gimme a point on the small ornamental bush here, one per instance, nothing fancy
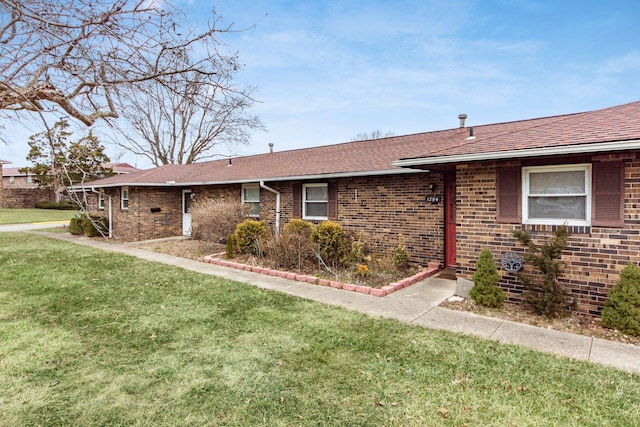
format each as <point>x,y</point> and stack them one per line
<point>622,309</point>
<point>292,249</point>
<point>544,292</point>
<point>358,251</point>
<point>399,256</point>
<point>249,234</point>
<point>75,226</point>
<point>230,247</point>
<point>331,242</point>
<point>92,225</point>
<point>485,290</point>
<point>298,226</point>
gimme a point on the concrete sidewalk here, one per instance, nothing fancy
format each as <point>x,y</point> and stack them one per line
<point>33,226</point>
<point>416,304</point>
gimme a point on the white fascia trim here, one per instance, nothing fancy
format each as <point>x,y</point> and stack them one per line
<point>531,152</point>
<point>274,179</point>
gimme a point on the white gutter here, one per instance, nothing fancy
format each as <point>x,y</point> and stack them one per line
<point>530,152</point>
<point>93,190</point>
<point>277,193</point>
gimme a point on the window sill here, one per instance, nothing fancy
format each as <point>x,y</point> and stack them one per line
<point>550,228</point>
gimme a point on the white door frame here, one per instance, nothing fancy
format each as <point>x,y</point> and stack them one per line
<point>186,213</point>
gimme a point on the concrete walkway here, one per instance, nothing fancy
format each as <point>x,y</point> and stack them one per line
<point>33,226</point>
<point>416,304</point>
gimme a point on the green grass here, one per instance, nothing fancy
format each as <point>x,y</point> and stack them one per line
<point>22,216</point>
<point>97,338</point>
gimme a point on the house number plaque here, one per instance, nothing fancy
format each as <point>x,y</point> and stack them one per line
<point>511,261</point>
<point>434,200</point>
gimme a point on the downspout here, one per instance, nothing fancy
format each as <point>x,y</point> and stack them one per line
<point>93,190</point>
<point>277,193</point>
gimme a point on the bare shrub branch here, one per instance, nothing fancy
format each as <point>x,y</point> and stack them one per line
<point>213,220</point>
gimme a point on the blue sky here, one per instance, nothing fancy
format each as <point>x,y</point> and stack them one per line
<point>328,70</point>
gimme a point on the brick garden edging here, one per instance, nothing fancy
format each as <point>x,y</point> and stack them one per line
<point>433,267</point>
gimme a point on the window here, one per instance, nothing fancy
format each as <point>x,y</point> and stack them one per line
<point>11,179</point>
<point>315,201</point>
<point>100,201</point>
<point>124,198</point>
<point>29,179</point>
<point>251,196</point>
<point>557,194</point>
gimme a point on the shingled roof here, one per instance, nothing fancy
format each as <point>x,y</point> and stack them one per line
<point>610,129</point>
<point>394,154</point>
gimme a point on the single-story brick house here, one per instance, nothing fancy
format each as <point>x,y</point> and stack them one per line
<point>448,193</point>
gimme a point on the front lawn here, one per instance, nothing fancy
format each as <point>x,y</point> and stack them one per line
<point>22,216</point>
<point>98,338</point>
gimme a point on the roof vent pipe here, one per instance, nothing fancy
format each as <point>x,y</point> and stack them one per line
<point>462,118</point>
<point>230,164</point>
<point>271,147</point>
<point>471,132</point>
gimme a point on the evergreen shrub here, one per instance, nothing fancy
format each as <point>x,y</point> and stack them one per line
<point>63,205</point>
<point>331,242</point>
<point>622,308</point>
<point>75,226</point>
<point>249,235</point>
<point>544,292</point>
<point>485,289</point>
<point>95,225</point>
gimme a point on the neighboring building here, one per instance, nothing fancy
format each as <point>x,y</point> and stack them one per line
<point>19,190</point>
<point>13,178</point>
<point>448,193</point>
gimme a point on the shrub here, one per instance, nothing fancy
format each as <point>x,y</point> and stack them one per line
<point>75,226</point>
<point>331,242</point>
<point>358,251</point>
<point>95,225</point>
<point>547,297</point>
<point>292,249</point>
<point>213,220</point>
<point>64,205</point>
<point>485,290</point>
<point>249,234</point>
<point>298,226</point>
<point>230,246</point>
<point>399,256</point>
<point>622,308</point>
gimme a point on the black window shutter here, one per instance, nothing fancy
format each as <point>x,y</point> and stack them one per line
<point>608,194</point>
<point>332,191</point>
<point>509,195</point>
<point>297,200</point>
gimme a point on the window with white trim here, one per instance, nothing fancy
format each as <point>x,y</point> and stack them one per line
<point>557,194</point>
<point>124,198</point>
<point>315,201</point>
<point>251,196</point>
<point>100,201</point>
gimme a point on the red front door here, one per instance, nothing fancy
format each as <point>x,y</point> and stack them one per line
<point>450,222</point>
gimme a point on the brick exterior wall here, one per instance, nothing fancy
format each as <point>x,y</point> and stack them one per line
<point>594,256</point>
<point>24,198</point>
<point>378,209</point>
<point>20,198</point>
<point>18,182</point>
<point>138,222</point>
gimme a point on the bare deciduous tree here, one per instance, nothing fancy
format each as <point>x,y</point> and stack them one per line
<point>187,122</point>
<point>77,56</point>
<point>376,134</point>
